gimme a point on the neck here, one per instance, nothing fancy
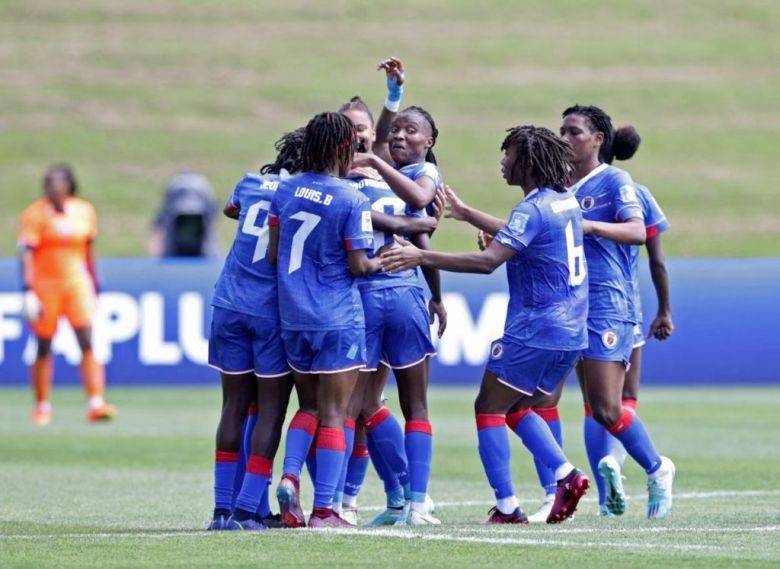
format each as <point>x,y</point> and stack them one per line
<point>583,168</point>
<point>334,171</point>
<point>59,205</point>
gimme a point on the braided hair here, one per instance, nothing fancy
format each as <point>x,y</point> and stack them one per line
<point>288,156</point>
<point>70,176</point>
<point>329,142</point>
<point>357,104</point>
<point>540,152</point>
<point>429,156</point>
<point>620,144</point>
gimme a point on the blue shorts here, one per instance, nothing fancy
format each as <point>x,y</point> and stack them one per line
<point>639,337</point>
<point>325,351</point>
<point>527,369</point>
<point>241,343</point>
<point>609,341</point>
<point>398,332</point>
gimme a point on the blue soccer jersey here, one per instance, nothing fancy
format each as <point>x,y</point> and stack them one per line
<point>382,199</point>
<point>548,277</point>
<point>247,283</point>
<point>609,194</point>
<point>423,170</point>
<point>655,224</point>
<point>320,217</point>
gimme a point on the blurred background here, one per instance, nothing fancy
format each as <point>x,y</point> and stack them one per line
<point>131,93</point>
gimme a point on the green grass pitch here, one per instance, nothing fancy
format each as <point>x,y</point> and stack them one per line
<point>137,492</point>
<point>132,91</point>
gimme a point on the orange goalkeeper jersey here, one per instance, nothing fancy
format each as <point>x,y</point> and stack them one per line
<point>58,240</point>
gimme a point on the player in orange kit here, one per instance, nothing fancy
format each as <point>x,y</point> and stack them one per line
<point>58,276</point>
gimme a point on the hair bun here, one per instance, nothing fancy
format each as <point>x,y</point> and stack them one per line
<point>626,142</point>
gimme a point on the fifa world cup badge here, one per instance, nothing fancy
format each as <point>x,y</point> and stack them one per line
<point>518,221</point>
<point>496,350</point>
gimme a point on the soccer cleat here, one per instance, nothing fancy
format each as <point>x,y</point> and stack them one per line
<point>289,495</point>
<point>659,490</point>
<point>516,517</point>
<point>604,512</point>
<point>330,521</point>
<point>567,496</point>
<point>349,514</point>
<point>245,525</point>
<point>41,417</point>
<point>609,470</point>
<point>219,523</point>
<point>403,519</point>
<point>422,519</point>
<point>271,521</point>
<point>430,506</point>
<point>387,518</point>
<point>541,515</point>
<point>105,412</point>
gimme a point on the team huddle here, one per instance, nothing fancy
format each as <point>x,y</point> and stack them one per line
<point>321,292</point>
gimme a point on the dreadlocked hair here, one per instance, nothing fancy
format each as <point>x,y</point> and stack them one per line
<point>288,157</point>
<point>540,151</point>
<point>429,156</point>
<point>357,104</point>
<point>620,144</point>
<point>329,142</point>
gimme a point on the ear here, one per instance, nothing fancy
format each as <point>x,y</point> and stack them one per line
<point>429,142</point>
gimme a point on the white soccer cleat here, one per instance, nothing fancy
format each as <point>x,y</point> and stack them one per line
<point>430,507</point>
<point>541,515</point>
<point>349,514</point>
<point>610,471</point>
<point>659,490</point>
<point>417,518</point>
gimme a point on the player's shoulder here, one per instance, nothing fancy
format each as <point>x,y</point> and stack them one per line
<point>82,205</point>
<point>421,169</point>
<point>617,177</point>
<point>34,209</point>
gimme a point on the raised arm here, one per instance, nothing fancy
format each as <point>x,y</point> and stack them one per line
<point>630,232</point>
<point>457,209</point>
<point>408,256</point>
<point>402,224</point>
<point>395,80</point>
<point>662,326</point>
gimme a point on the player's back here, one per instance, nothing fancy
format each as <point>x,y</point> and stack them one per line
<point>548,279</point>
<point>247,283</point>
<point>608,194</point>
<point>320,217</point>
<point>382,199</point>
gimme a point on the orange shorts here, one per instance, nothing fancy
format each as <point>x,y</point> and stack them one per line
<point>76,302</point>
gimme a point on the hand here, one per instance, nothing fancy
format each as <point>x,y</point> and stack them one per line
<point>587,227</point>
<point>436,309</point>
<point>439,202</point>
<point>662,327</point>
<point>484,240</point>
<point>429,224</point>
<point>407,256</point>
<point>363,160</point>
<point>394,70</point>
<point>456,207</point>
<point>32,309</point>
<point>364,172</point>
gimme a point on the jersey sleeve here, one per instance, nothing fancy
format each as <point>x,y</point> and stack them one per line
<point>30,228</point>
<point>525,223</point>
<point>655,219</point>
<point>428,170</point>
<point>627,205</point>
<point>358,231</point>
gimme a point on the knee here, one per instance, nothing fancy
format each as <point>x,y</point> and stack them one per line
<point>606,413</point>
<point>416,411</point>
<point>44,349</point>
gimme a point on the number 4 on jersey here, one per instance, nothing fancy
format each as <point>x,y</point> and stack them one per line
<point>250,228</point>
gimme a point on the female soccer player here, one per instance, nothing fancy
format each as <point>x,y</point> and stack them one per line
<point>395,309</point>
<point>545,328</point>
<point>246,347</point>
<point>320,232</point>
<point>59,279</point>
<point>613,224</point>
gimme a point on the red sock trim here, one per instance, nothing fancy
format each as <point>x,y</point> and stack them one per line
<point>360,451</point>
<point>489,421</point>
<point>512,419</point>
<point>331,438</point>
<point>626,418</point>
<point>630,402</point>
<point>305,422</point>
<point>322,513</point>
<point>292,478</point>
<point>252,409</point>
<point>548,413</point>
<point>349,423</point>
<point>225,456</point>
<point>377,418</point>
<point>259,465</point>
<point>417,426</point>
<point>588,412</point>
